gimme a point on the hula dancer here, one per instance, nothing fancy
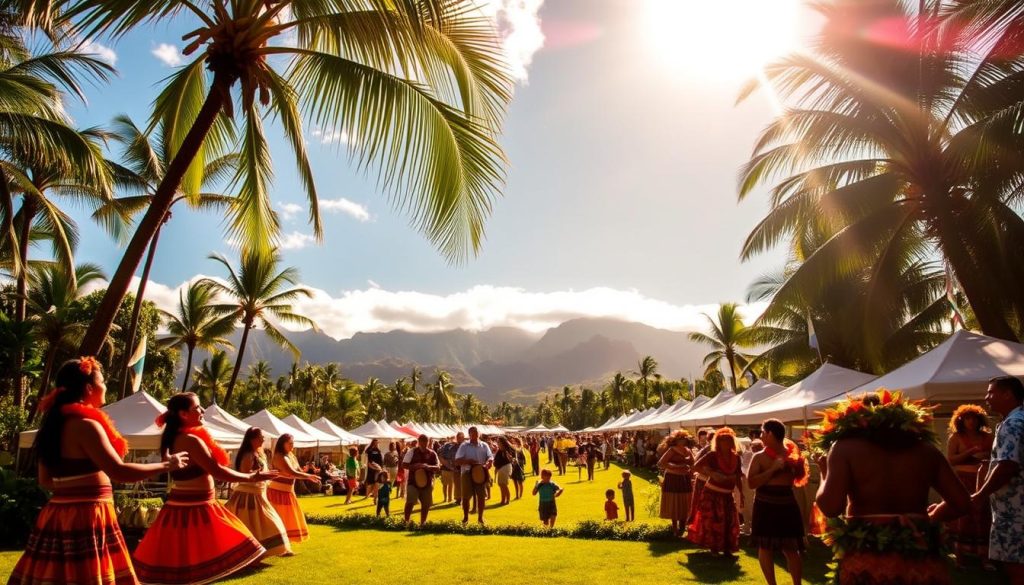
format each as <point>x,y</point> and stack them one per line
<point>716,524</point>
<point>249,501</point>
<point>970,442</point>
<point>76,538</point>
<point>195,539</point>
<point>281,491</point>
<point>881,464</point>
<point>677,487</point>
<point>777,524</point>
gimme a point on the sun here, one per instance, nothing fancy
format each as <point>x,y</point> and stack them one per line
<point>720,39</point>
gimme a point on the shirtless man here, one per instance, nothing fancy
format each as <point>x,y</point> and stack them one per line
<point>884,478</point>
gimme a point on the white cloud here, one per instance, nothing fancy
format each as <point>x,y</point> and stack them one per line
<point>289,210</point>
<point>330,136</point>
<point>101,52</point>
<point>518,22</point>
<point>347,207</point>
<point>168,54</point>
<point>295,241</point>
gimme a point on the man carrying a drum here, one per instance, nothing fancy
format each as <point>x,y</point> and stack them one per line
<point>421,466</point>
<point>475,459</point>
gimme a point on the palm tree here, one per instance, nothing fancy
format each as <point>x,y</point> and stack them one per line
<point>212,376</point>
<point>469,410</point>
<point>144,161</point>
<point>197,325</point>
<point>916,140</point>
<point>260,379</point>
<point>618,391</point>
<point>647,368</point>
<point>371,396</point>
<point>439,397</point>
<point>259,292</point>
<point>50,304</point>
<point>350,411</point>
<point>419,86</point>
<point>726,336</point>
<point>401,399</point>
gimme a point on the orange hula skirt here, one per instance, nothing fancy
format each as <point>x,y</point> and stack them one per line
<point>872,568</point>
<point>249,502</point>
<point>194,540</point>
<point>76,540</point>
<point>281,493</point>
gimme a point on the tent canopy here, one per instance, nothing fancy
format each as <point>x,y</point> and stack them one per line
<point>721,398</point>
<point>792,404</point>
<point>324,439</point>
<point>372,430</point>
<point>676,417</point>
<point>761,390</point>
<point>275,427</point>
<point>225,418</point>
<point>956,370</point>
<point>346,437</point>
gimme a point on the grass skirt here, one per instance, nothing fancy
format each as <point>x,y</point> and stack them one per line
<point>716,524</point>
<point>675,496</point>
<point>282,497</point>
<point>76,539</point>
<point>250,504</point>
<point>971,532</point>
<point>870,568</point>
<point>194,540</point>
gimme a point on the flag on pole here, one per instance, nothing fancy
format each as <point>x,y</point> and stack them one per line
<point>136,365</point>
<point>812,337</point>
<point>957,318</point>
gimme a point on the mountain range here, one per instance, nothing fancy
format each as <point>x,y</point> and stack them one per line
<point>502,363</point>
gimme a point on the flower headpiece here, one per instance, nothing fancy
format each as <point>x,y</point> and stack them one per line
<point>879,415</point>
<point>88,365</point>
<point>161,419</point>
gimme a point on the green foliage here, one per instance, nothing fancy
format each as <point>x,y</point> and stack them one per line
<point>13,420</point>
<point>21,500</point>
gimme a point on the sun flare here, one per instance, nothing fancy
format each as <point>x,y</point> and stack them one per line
<point>723,39</point>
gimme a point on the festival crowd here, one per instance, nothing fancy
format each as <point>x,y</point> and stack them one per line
<point>876,456</point>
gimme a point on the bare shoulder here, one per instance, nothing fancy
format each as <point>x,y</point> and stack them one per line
<point>759,459</point>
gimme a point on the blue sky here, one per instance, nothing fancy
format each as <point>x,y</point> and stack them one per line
<point>621,194</point>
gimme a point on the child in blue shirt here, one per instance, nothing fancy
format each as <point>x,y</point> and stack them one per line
<point>384,494</point>
<point>548,491</point>
<point>628,506</point>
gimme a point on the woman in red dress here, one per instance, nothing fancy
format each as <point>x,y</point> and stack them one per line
<point>194,538</point>
<point>76,538</point>
<point>716,524</point>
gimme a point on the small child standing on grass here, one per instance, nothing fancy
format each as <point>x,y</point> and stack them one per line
<point>626,485</point>
<point>352,473</point>
<point>384,493</point>
<point>611,509</point>
<point>548,491</point>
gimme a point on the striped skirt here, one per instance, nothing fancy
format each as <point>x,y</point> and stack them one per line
<point>76,539</point>
<point>282,496</point>
<point>249,502</point>
<point>194,540</point>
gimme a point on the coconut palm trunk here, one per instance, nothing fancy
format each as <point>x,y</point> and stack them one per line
<point>154,218</point>
<point>188,367</point>
<point>28,212</point>
<point>247,324</point>
<point>133,326</point>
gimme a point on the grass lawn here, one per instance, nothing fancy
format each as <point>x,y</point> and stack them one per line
<point>354,557</point>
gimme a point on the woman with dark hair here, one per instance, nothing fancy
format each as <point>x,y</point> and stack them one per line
<point>249,501</point>
<point>518,467</point>
<point>677,487</point>
<point>194,538</point>
<point>281,491</point>
<point>968,448</point>
<point>76,538</point>
<point>374,465</point>
<point>503,458</point>
<point>716,525</point>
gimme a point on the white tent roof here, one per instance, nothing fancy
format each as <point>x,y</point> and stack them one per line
<point>538,429</point>
<point>792,404</point>
<point>134,417</point>
<point>693,413</point>
<point>372,430</point>
<point>275,427</point>
<point>641,422</point>
<point>225,418</point>
<point>674,418</point>
<point>612,425</point>
<point>632,418</point>
<point>346,437</point>
<point>324,439</point>
<point>761,390</point>
<point>560,429</point>
<point>658,420</point>
<point>958,369</point>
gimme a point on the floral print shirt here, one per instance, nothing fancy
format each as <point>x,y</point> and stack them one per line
<point>1007,537</point>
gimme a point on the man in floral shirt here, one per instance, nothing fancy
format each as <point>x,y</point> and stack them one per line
<point>1005,482</point>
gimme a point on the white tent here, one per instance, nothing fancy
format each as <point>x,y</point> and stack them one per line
<point>346,437</point>
<point>956,370</point>
<point>794,403</point>
<point>632,418</point>
<point>275,427</point>
<point>672,419</point>
<point>225,418</point>
<point>761,390</point>
<point>134,417</point>
<point>709,406</point>
<point>642,421</point>
<point>537,429</point>
<point>323,439</point>
<point>614,424</point>
<point>658,421</point>
<point>560,429</point>
<point>372,430</point>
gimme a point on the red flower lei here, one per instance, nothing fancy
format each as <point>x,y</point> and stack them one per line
<point>92,413</point>
<point>218,452</point>
<point>795,462</point>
